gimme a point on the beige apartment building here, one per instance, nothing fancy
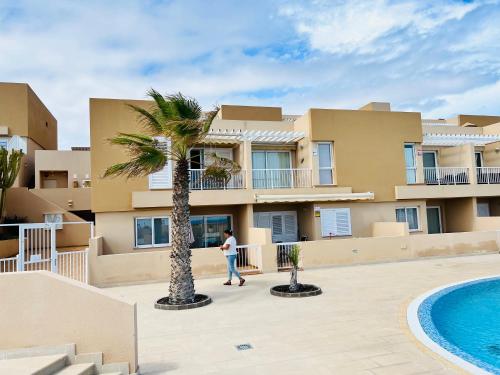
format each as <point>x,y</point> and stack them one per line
<point>25,124</point>
<point>327,174</point>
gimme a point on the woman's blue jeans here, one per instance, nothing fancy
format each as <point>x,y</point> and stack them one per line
<point>231,267</point>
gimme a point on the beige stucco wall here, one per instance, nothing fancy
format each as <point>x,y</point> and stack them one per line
<point>25,115</point>
<point>250,113</point>
<point>446,191</point>
<point>478,120</point>
<point>70,199</point>
<point>42,308</point>
<point>491,154</point>
<point>460,214</point>
<point>23,203</point>
<point>74,162</point>
<point>364,214</point>
<point>368,146</point>
<point>387,229</point>
<point>9,248</point>
<point>367,250</point>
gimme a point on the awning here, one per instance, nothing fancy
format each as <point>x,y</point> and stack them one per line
<point>258,136</point>
<point>458,139</point>
<point>275,198</point>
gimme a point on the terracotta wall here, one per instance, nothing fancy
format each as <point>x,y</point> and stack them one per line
<point>42,308</point>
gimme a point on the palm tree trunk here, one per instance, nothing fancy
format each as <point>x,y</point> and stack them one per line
<point>3,195</point>
<point>181,279</point>
<point>293,280</point>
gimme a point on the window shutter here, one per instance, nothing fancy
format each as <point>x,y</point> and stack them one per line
<point>335,222</point>
<point>290,228</point>
<point>277,225</point>
<point>162,179</point>
<point>262,220</point>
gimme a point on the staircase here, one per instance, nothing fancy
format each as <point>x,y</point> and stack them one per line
<point>57,360</point>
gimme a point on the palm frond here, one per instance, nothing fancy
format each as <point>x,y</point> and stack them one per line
<point>147,119</point>
<point>185,107</point>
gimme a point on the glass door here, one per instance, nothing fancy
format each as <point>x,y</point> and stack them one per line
<point>434,220</point>
<point>271,169</point>
<point>325,163</point>
<point>411,166</point>
<point>431,173</point>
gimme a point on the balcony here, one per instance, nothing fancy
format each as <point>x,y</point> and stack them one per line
<point>281,178</point>
<point>198,181</point>
<point>446,176</point>
<point>488,175</point>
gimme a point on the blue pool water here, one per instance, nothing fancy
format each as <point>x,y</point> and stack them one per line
<point>465,320</point>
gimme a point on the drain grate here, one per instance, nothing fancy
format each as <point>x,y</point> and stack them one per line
<point>241,347</point>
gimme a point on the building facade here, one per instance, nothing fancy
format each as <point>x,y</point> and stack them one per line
<point>25,124</point>
<point>324,175</point>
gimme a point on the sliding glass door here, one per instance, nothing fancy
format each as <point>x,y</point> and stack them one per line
<point>271,169</point>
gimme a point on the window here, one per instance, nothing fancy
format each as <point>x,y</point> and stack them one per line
<point>483,209</point>
<point>409,215</point>
<point>479,159</point>
<point>411,167</point>
<point>208,230</point>
<point>335,222</point>
<point>152,231</point>
<point>4,144</point>
<point>163,178</point>
<point>325,163</point>
<point>271,169</point>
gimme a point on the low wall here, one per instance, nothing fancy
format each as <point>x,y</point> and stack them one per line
<point>487,223</point>
<point>42,308</point>
<point>147,266</point>
<point>389,229</point>
<point>384,249</point>
<point>151,266</point>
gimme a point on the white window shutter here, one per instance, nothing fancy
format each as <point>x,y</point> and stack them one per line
<point>277,225</point>
<point>335,222</point>
<point>162,179</point>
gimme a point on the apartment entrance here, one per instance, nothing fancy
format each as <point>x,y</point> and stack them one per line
<point>434,222</point>
<point>283,224</point>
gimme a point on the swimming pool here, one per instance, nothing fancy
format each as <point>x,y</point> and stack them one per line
<point>461,322</point>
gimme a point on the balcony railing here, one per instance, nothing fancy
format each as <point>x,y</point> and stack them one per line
<point>446,176</point>
<point>281,178</point>
<point>488,175</point>
<point>198,181</point>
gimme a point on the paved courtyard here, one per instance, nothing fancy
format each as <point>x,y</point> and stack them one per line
<point>357,326</point>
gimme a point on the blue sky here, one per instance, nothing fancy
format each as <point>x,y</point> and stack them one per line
<point>437,57</point>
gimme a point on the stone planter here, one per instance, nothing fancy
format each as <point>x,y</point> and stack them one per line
<point>200,301</point>
<point>305,290</point>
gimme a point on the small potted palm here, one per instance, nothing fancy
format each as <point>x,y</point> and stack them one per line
<point>295,289</point>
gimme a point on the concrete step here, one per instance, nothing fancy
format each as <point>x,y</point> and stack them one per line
<point>68,349</point>
<point>118,367</point>
<point>78,369</point>
<point>38,365</point>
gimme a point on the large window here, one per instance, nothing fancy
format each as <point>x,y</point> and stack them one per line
<point>409,215</point>
<point>271,169</point>
<point>325,163</point>
<point>411,166</point>
<point>152,231</point>
<point>208,230</point>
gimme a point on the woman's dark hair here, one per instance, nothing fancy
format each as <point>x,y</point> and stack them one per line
<point>228,231</point>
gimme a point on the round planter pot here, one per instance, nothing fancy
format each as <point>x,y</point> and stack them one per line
<point>200,300</point>
<point>305,290</point>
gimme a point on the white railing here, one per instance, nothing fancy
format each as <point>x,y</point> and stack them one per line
<point>74,265</point>
<point>281,178</point>
<point>8,265</point>
<point>488,175</point>
<point>198,181</point>
<point>249,259</point>
<point>282,255</point>
<point>446,176</point>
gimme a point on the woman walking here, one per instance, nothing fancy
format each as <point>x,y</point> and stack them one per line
<point>230,252</point>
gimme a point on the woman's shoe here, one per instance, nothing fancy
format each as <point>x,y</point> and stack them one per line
<point>242,281</point>
<point>227,283</point>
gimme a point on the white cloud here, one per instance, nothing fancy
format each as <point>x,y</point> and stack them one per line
<point>356,25</point>
<point>311,53</point>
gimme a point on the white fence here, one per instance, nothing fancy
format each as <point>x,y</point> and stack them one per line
<point>37,251</point>
<point>488,175</point>
<point>446,176</point>
<point>8,265</point>
<point>198,181</point>
<point>249,259</point>
<point>281,178</point>
<point>283,255</point>
<point>73,264</point>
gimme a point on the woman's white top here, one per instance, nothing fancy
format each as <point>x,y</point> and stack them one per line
<point>231,250</point>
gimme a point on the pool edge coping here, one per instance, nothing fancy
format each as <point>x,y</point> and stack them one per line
<point>416,329</point>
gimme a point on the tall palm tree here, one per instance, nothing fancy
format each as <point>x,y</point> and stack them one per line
<point>179,119</point>
<point>10,164</point>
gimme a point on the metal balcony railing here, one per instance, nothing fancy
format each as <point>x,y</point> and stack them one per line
<point>198,181</point>
<point>488,175</point>
<point>446,176</point>
<point>281,178</point>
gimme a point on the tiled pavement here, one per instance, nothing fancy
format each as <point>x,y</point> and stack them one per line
<point>357,326</point>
